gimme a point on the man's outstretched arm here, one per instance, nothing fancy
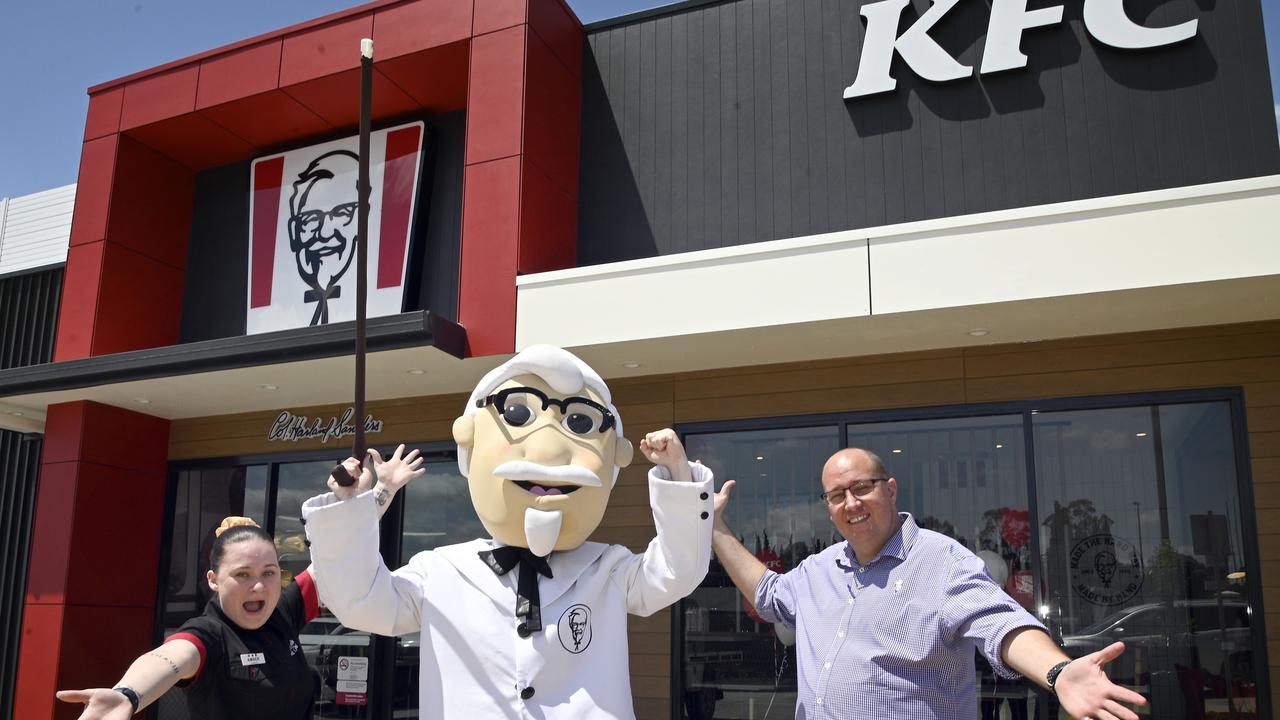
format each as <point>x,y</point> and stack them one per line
<point>1083,688</point>
<point>744,568</point>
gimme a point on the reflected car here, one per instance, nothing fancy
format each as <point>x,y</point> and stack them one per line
<point>1206,634</point>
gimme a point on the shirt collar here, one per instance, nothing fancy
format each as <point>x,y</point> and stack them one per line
<point>899,543</point>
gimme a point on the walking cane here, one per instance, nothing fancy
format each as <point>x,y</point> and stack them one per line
<point>359,449</point>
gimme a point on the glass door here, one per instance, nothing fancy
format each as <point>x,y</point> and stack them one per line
<point>342,657</point>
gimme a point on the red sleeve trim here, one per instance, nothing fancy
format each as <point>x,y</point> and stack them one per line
<point>199,646</point>
<point>310,598</point>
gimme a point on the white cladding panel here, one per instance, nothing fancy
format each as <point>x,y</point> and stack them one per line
<point>1160,239</point>
<point>699,292</point>
<point>35,229</point>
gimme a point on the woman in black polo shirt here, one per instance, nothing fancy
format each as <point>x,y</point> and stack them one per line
<point>242,658</point>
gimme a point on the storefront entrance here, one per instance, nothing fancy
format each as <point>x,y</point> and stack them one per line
<point>359,676</point>
<point>1109,519</point>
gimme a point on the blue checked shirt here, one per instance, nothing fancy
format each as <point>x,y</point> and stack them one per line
<point>894,638</point>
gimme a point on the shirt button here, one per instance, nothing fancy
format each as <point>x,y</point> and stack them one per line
<point>526,693</point>
<point>850,601</point>
<point>704,514</point>
<point>523,630</point>
<point>819,701</point>
<point>703,496</point>
<point>862,569</point>
<point>840,634</point>
<point>826,665</point>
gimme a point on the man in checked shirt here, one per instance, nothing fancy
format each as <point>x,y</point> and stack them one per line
<point>887,621</point>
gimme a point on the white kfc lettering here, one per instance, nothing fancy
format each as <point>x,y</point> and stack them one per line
<point>1105,20</point>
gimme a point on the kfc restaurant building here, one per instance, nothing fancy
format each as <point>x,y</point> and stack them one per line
<point>1027,256</point>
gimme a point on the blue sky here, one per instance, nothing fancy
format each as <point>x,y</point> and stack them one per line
<point>51,51</point>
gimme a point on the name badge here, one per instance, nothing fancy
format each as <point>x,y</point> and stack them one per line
<point>248,659</point>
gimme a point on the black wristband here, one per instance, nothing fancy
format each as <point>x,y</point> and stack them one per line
<point>1051,677</point>
<point>130,695</point>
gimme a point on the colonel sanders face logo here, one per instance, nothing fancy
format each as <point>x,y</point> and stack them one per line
<point>322,226</point>
<point>574,628</point>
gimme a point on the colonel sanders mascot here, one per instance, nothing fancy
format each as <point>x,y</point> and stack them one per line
<point>530,622</point>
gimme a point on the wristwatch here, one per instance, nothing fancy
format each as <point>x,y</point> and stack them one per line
<point>130,695</point>
<point>1051,677</point>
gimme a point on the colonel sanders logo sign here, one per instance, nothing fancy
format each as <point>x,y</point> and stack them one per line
<point>303,230</point>
<point>1105,570</point>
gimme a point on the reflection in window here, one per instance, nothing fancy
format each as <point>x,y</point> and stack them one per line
<point>735,665</point>
<point>1140,528</point>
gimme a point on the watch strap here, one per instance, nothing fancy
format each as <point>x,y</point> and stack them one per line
<point>1051,677</point>
<point>130,695</point>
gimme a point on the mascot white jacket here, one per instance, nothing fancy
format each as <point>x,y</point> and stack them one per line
<point>530,623</point>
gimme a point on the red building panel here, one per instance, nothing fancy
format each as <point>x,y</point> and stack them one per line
<point>239,74</point>
<point>103,117</point>
<point>436,79</point>
<point>324,50</point>
<point>159,97</point>
<point>496,95</point>
<point>492,15</point>
<point>63,431</point>
<point>125,439</point>
<point>51,537</point>
<point>105,639</point>
<point>151,205</point>
<point>416,26</point>
<point>79,307</point>
<point>490,230</point>
<point>560,30</point>
<point>194,141</point>
<point>548,223</point>
<point>336,98</point>
<point>268,120</point>
<point>104,497</point>
<point>135,286</point>
<point>40,662</point>
<point>553,117</point>
<point>93,190</point>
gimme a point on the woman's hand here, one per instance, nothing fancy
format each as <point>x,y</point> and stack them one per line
<point>99,703</point>
<point>385,478</point>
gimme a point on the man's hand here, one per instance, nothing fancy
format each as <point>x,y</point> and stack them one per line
<point>100,703</point>
<point>663,448</point>
<point>385,478</point>
<point>722,501</point>
<point>1084,690</point>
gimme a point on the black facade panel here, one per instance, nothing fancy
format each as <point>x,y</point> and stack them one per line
<point>29,317</point>
<point>216,289</point>
<point>20,456</point>
<point>712,124</point>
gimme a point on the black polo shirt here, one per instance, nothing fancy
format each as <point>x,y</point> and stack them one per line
<point>247,674</point>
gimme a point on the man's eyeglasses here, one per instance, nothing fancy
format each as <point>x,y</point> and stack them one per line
<point>862,488</point>
<point>519,405</point>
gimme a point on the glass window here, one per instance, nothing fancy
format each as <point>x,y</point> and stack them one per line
<point>202,498</point>
<point>734,664</point>
<point>1138,538</point>
<point>1140,516</point>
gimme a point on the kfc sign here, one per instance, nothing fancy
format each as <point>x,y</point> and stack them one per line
<point>302,215</point>
<point>1105,20</point>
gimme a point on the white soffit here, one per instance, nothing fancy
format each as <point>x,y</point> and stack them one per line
<point>1184,241</point>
